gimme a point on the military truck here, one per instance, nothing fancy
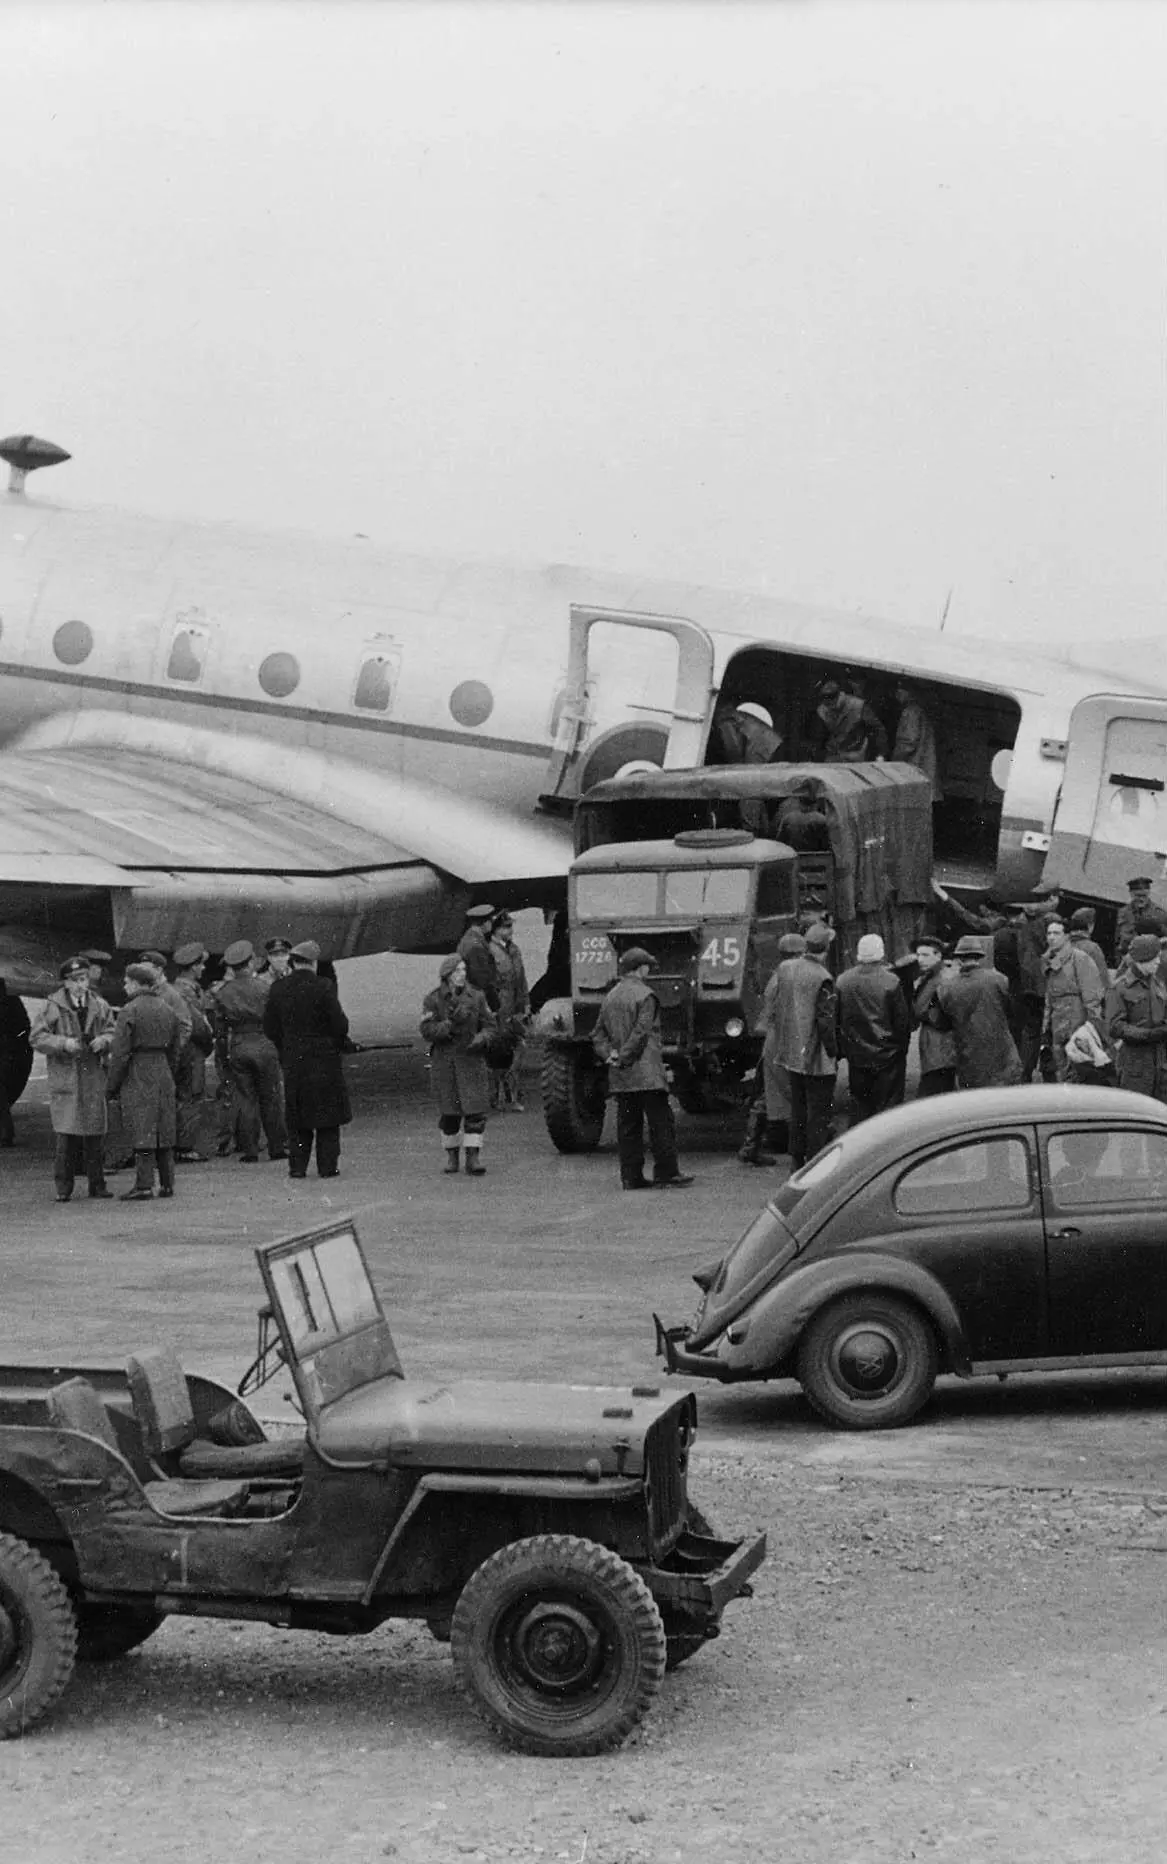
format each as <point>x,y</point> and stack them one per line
<point>544,1531</point>
<point>687,864</point>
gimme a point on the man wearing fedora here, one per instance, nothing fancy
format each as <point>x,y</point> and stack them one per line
<point>304,1020</point>
<point>627,1037</point>
<point>73,1030</point>
<point>976,1008</point>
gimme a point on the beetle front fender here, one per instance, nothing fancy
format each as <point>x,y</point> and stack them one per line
<point>768,1333</point>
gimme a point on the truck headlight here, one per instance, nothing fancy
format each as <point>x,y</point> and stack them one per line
<point>735,1027</point>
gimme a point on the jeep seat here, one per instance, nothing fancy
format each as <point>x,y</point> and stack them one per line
<point>76,1405</point>
<point>162,1407</point>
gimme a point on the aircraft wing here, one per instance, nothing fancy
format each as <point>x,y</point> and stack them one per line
<point>109,842</point>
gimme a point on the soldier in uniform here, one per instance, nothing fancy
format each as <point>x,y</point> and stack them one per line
<point>73,1029</point>
<point>190,1083</point>
<point>277,960</point>
<point>1140,914</point>
<point>248,1056</point>
<point>474,950</point>
<point>143,1062</point>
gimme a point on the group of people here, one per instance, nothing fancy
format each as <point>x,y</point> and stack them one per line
<point>844,727</point>
<point>274,1027</point>
<point>1032,991</point>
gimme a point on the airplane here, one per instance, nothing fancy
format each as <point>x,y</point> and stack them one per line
<point>213,732</point>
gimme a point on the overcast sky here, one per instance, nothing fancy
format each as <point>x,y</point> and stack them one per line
<point>854,303</point>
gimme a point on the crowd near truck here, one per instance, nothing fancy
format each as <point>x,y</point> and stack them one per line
<point>690,864</point>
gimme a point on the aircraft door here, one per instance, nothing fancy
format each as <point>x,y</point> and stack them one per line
<point>639,688</point>
<point>1111,819</point>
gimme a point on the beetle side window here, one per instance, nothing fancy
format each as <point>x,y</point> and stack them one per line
<point>1097,1167</point>
<point>988,1174</point>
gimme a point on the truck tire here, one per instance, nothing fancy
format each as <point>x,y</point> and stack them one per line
<point>38,1637</point>
<point>107,1632</point>
<point>558,1645</point>
<point>868,1361</point>
<point>574,1099</point>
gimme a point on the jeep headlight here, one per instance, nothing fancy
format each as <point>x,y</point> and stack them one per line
<point>735,1027</point>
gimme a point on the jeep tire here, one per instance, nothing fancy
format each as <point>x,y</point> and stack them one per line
<point>38,1637</point>
<point>558,1645</point>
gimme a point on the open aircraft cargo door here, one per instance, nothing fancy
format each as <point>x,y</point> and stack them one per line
<point>1111,819</point>
<point>667,660</point>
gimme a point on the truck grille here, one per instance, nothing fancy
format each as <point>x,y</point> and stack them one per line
<point>666,1462</point>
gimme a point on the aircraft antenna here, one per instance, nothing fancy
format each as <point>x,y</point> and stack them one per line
<point>945,609</point>
<point>24,453</point>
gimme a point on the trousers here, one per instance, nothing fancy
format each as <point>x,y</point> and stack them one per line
<point>811,1099</point>
<point>873,1090</point>
<point>76,1152</point>
<point>646,1106</point>
<point>327,1140</point>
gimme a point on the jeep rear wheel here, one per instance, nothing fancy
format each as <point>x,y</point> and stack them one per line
<point>868,1362</point>
<point>558,1645</point>
<point>107,1632</point>
<point>574,1099</point>
<point>38,1636</point>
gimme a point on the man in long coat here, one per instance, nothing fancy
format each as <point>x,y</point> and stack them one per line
<point>627,1037</point>
<point>194,1138</point>
<point>143,1061</point>
<point>1136,1014</point>
<point>73,1031</point>
<point>514,1013</point>
<point>937,1044</point>
<point>976,1005</point>
<point>309,1029</point>
<point>15,1058</point>
<point>457,1022</point>
<point>474,949</point>
<point>806,1019</point>
<point>875,1029</point>
<point>768,1120</point>
<point>1073,996</point>
<point>242,1049</point>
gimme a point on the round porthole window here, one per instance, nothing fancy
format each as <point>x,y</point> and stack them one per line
<point>73,642</point>
<point>472,703</point>
<point>279,675</point>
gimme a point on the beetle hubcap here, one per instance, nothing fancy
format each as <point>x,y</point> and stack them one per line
<point>868,1359</point>
<point>556,1646</point>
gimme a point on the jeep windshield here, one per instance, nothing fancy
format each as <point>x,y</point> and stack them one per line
<point>334,1331</point>
<point>685,893</point>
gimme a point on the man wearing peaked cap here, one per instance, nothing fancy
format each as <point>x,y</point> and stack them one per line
<point>249,1057</point>
<point>627,1037</point>
<point>474,948</point>
<point>277,960</point>
<point>73,1029</point>
<point>187,956</point>
<point>194,1111</point>
<point>304,1020</point>
<point>169,995</point>
<point>1140,914</point>
<point>1136,1012</point>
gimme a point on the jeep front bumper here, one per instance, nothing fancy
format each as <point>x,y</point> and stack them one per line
<point>702,1575</point>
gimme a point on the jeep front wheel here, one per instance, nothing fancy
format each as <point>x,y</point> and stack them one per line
<point>38,1636</point>
<point>574,1099</point>
<point>558,1645</point>
<point>868,1362</point>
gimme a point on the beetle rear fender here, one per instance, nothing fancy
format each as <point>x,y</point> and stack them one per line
<point>779,1317</point>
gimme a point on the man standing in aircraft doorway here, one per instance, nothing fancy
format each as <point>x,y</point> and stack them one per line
<point>854,734</point>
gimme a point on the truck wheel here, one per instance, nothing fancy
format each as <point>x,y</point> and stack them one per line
<point>868,1362</point>
<point>681,1641</point>
<point>38,1636</point>
<point>573,1100</point>
<point>558,1645</point>
<point>107,1632</point>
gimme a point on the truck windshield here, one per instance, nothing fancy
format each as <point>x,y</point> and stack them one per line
<point>693,894</point>
<point>616,896</point>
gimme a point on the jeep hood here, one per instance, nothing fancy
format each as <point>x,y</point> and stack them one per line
<point>526,1429</point>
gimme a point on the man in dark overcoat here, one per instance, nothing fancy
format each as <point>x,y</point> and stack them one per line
<point>1136,1016</point>
<point>457,1022</point>
<point>194,1138</point>
<point>627,1037</point>
<point>309,1029</point>
<point>806,1027</point>
<point>15,1058</point>
<point>976,1005</point>
<point>875,1029</point>
<point>937,1044</point>
<point>143,1062</point>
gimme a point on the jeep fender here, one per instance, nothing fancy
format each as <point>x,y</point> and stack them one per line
<point>775,1323</point>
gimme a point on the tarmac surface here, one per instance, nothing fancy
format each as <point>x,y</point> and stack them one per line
<point>956,1650</point>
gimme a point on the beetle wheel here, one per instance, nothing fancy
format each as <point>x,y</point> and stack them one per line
<point>38,1636</point>
<point>868,1362</point>
<point>558,1645</point>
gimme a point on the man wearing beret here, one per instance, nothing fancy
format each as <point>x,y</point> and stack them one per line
<point>627,1037</point>
<point>73,1030</point>
<point>1136,1018</point>
<point>249,1056</point>
<point>304,1019</point>
<point>1140,914</point>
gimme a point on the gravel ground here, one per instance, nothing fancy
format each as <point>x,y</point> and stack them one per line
<point>958,1674</point>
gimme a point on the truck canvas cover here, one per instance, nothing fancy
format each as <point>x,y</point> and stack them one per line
<point>879,819</point>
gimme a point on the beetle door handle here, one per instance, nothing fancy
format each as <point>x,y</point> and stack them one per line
<point>1061,1235</point>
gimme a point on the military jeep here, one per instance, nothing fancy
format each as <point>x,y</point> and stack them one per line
<point>544,1531</point>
